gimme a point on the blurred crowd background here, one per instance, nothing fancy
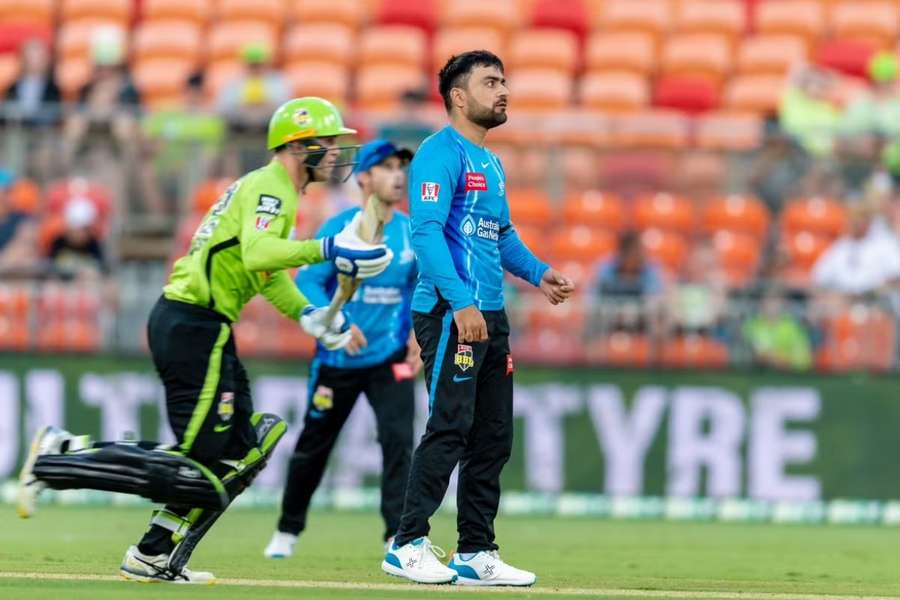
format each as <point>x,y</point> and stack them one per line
<point>720,176</point>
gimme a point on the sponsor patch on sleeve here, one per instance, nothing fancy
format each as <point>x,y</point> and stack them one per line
<point>269,205</point>
<point>263,221</point>
<point>430,191</point>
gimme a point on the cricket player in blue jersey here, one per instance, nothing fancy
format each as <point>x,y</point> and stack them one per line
<point>382,359</point>
<point>464,241</point>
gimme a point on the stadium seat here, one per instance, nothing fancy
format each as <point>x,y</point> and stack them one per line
<point>196,12</point>
<point>319,79</point>
<point>621,51</point>
<point>652,128</point>
<point>601,210</point>
<point>771,54</point>
<point>15,33</point>
<point>874,21</point>
<point>116,11</point>
<point>821,216</point>
<point>621,349</point>
<point>272,13</point>
<point>219,74</point>
<point>759,94</point>
<point>693,351</point>
<point>568,316</point>
<point>71,75</point>
<point>207,193</point>
<point>379,87</point>
<point>13,334</point>
<point>73,40</point>
<point>162,81</point>
<point>664,211</point>
<point>9,70</point>
<point>667,248</point>
<point>736,213</point>
<point>849,56</point>
<point>738,254</point>
<point>728,130</point>
<point>581,243</point>
<point>421,14</point>
<point>541,90</point>
<point>500,15</point>
<point>225,41</point>
<point>795,17</point>
<point>570,15</point>
<point>543,48</point>
<point>530,207</point>
<point>320,42</point>
<point>25,196</point>
<point>449,42</point>
<point>14,301</point>
<point>614,91</point>
<point>803,248</point>
<point>653,16</point>
<point>861,338</point>
<point>711,16</point>
<point>392,45</point>
<point>351,13</point>
<point>579,164</point>
<point>36,12</point>
<point>691,94</point>
<point>703,54</point>
<point>549,346</point>
<point>167,39</point>
<point>531,235</point>
<point>581,271</point>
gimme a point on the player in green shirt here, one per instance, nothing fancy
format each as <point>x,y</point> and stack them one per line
<point>241,248</point>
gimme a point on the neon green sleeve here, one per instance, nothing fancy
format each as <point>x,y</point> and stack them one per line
<point>270,253</point>
<point>281,293</point>
<point>265,223</point>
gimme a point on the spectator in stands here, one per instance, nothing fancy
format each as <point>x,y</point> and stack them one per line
<point>875,111</point>
<point>18,234</point>
<point>77,251</point>
<point>248,100</point>
<point>696,302</point>
<point>809,110</point>
<point>10,218</point>
<point>414,127</point>
<point>776,338</point>
<point>778,168</point>
<point>630,287</point>
<point>34,97</point>
<point>864,261</point>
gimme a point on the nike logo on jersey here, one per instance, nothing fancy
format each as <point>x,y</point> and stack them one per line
<point>485,165</point>
<point>458,379</point>
<point>221,428</point>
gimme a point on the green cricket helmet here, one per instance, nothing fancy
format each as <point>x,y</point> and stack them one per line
<point>308,117</point>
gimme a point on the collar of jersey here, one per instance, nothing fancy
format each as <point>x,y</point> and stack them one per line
<point>465,141</point>
<point>280,171</point>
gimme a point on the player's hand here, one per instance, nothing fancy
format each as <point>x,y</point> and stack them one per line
<point>334,336</point>
<point>556,286</point>
<point>354,257</point>
<point>471,325</point>
<point>357,342</point>
<point>413,355</point>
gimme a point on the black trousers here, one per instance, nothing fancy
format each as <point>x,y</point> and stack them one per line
<point>207,393</point>
<point>470,423</point>
<point>333,393</point>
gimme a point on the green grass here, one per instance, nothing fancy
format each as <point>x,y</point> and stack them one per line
<point>566,553</point>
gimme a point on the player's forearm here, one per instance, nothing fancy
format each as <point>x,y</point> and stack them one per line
<point>281,293</point>
<point>436,264</point>
<point>519,260</point>
<point>268,253</point>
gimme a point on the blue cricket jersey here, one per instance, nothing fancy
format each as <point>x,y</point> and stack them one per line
<point>381,305</point>
<point>461,230</point>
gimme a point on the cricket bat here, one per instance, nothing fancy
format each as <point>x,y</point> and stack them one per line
<point>371,229</point>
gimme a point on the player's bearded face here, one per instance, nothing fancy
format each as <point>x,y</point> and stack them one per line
<point>487,97</point>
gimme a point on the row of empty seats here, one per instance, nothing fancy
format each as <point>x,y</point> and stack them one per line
<point>50,318</point>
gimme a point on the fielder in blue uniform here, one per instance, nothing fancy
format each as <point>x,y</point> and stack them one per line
<point>464,241</point>
<point>381,360</point>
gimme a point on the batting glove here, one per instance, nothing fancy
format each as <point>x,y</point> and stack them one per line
<point>334,336</point>
<point>354,257</point>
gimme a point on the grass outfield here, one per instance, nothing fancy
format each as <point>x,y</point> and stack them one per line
<point>572,557</point>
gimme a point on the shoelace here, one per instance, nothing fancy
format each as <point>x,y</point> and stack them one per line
<point>429,549</point>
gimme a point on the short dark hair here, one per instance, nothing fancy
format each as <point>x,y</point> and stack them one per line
<point>459,67</point>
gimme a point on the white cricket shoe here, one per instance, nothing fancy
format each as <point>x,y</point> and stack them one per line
<point>486,568</point>
<point>140,567</point>
<point>388,544</point>
<point>47,440</point>
<point>418,561</point>
<point>281,545</point>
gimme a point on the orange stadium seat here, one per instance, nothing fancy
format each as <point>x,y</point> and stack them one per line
<point>117,11</point>
<point>73,39</point>
<point>37,12</point>
<point>597,209</point>
<point>850,56</point>
<point>581,243</point>
<point>803,248</point>
<point>319,79</point>
<point>207,193</point>
<point>13,334</point>
<point>320,42</point>
<point>877,21</point>
<point>421,14</point>
<point>531,207</point>
<point>71,75</point>
<point>531,235</point>
<point>771,54</point>
<point>621,51</point>
<point>581,271</point>
<point>543,48</point>
<point>549,346</point>
<point>379,87</point>
<point>502,16</point>
<point>688,93</point>
<point>25,196</point>
<point>568,316</point>
<point>711,16</point>
<point>167,39</point>
<point>614,91</point>
<point>652,128</point>
<point>654,16</point>
<point>664,211</point>
<point>449,42</point>
<point>219,74</point>
<point>796,17</point>
<point>737,213</point>
<point>9,71</point>
<point>13,34</point>
<point>738,253</point>
<point>667,248</point>
<point>754,93</point>
<point>269,12</point>
<point>705,54</point>
<point>571,15</point>
<point>14,301</point>
<point>541,90</point>
<point>694,351</point>
<point>621,349</point>
<point>351,13</point>
<point>161,81</point>
<point>728,130</point>
<point>861,338</point>
<point>226,40</point>
<point>191,11</point>
<point>392,45</point>
<point>579,164</point>
<point>821,216</point>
